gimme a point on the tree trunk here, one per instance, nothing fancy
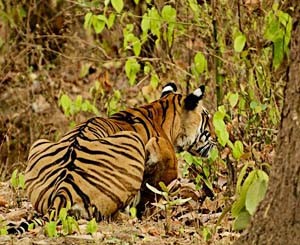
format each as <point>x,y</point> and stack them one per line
<point>277,220</point>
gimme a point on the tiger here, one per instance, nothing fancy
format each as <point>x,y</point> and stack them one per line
<point>103,164</point>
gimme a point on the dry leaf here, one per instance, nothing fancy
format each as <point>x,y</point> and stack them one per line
<point>3,202</point>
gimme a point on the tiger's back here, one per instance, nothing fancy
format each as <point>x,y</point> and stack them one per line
<point>97,176</point>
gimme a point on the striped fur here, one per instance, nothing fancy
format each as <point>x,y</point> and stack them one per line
<point>97,176</point>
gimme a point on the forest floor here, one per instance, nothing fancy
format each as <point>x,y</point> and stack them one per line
<point>191,223</point>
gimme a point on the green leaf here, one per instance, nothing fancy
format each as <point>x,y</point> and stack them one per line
<point>194,7</point>
<point>78,102</point>
<point>233,99</point>
<point>168,13</point>
<point>51,229</point>
<point>3,231</point>
<point>65,102</point>
<point>14,180</point>
<point>154,81</point>
<point>136,46</point>
<point>85,106</point>
<point>163,186</point>
<point>220,128</point>
<point>207,183</point>
<point>238,149</point>
<point>239,43</point>
<point>87,21</point>
<point>241,178</point>
<point>272,31</point>
<point>253,104</point>
<point>117,94</point>
<point>241,221</point>
<point>206,234</point>
<point>98,22</point>
<point>239,203</point>
<point>278,53</point>
<point>255,195</point>
<point>117,5</point>
<point>252,176</point>
<point>31,226</point>
<point>133,212</point>
<point>197,161</point>
<point>111,20</point>
<point>145,24</point>
<point>133,40</point>
<point>22,12</point>
<point>262,175</point>
<point>63,214</point>
<point>21,181</point>
<point>128,37</point>
<point>170,34</point>
<point>278,28</point>
<point>155,22</point>
<point>237,206</point>
<point>52,215</point>
<point>214,153</point>
<point>222,110</point>
<point>200,63</point>
<point>92,226</point>
<point>132,67</point>
<point>188,158</point>
<point>206,171</point>
<point>147,69</point>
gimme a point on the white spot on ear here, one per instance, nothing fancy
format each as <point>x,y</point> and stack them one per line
<point>197,92</point>
<point>167,89</point>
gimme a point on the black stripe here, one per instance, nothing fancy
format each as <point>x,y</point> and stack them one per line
<point>108,192</point>
<point>58,167</point>
<point>96,132</point>
<point>54,153</point>
<point>124,153</point>
<point>40,143</point>
<point>85,198</point>
<point>52,184</point>
<point>174,116</point>
<point>140,110</point>
<point>135,148</point>
<point>51,144</point>
<point>112,167</point>
<point>138,138</point>
<point>122,145</point>
<point>164,107</point>
<point>94,152</point>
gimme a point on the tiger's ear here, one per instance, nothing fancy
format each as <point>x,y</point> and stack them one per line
<point>168,88</point>
<point>192,100</point>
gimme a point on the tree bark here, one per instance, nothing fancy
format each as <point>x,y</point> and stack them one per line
<point>277,220</point>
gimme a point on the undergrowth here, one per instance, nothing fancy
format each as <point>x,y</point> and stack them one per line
<point>64,61</point>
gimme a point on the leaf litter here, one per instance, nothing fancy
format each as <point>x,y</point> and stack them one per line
<point>192,222</point>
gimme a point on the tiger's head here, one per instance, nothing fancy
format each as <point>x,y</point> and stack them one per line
<point>193,124</point>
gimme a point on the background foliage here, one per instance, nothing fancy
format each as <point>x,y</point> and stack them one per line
<point>63,61</point>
